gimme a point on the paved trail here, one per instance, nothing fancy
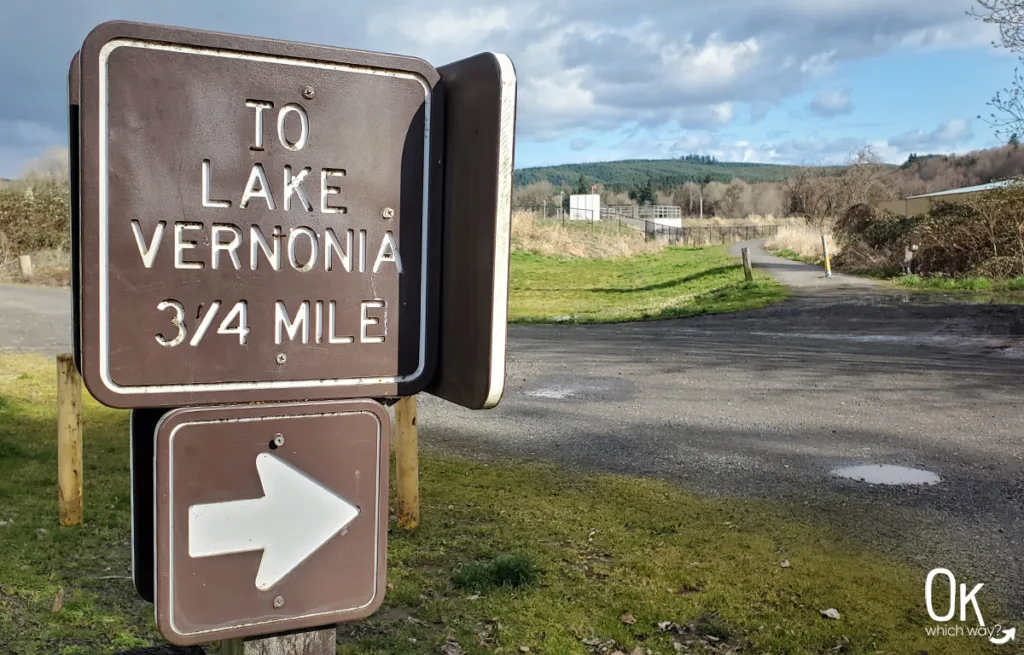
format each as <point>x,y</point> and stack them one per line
<point>762,404</point>
<point>799,276</point>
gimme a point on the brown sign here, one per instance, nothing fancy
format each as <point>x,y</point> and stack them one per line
<point>257,219</point>
<point>269,518</point>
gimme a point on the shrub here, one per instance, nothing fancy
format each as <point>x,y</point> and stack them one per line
<point>34,216</point>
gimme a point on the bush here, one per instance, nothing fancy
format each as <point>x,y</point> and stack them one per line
<point>34,216</point>
<point>980,235</point>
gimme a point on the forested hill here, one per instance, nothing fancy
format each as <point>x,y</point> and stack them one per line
<point>664,173</point>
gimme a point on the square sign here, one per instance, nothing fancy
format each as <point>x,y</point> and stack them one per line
<point>269,518</point>
<point>257,219</point>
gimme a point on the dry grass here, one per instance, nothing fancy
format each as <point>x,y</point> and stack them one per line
<point>51,267</point>
<point>531,234</point>
<point>752,219</point>
<point>803,239</point>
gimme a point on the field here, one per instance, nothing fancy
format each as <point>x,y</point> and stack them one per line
<point>671,283</point>
<point>510,558</point>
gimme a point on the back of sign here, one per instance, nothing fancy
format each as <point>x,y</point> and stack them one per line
<point>479,131</point>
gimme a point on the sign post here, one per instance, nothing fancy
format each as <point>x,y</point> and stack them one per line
<point>269,239</point>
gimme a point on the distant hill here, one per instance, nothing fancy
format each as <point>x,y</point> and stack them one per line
<point>665,173</point>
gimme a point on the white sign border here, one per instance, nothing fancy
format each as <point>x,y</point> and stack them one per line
<point>104,318</point>
<point>170,519</point>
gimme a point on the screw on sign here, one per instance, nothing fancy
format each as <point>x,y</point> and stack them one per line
<point>231,238</point>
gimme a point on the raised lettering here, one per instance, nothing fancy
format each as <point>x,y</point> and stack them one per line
<point>284,324</point>
<point>293,185</point>
<point>258,242</point>
<point>259,106</point>
<point>314,247</point>
<point>332,315</point>
<point>181,245</point>
<point>388,252</point>
<point>303,126</point>
<point>365,321</point>
<point>207,202</point>
<point>231,247</point>
<point>327,190</point>
<point>331,246</point>
<point>258,176</point>
<point>148,252</point>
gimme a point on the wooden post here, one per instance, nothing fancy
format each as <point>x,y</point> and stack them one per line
<point>25,263</point>
<point>69,441</point>
<point>748,273</point>
<point>311,642</point>
<point>407,464</point>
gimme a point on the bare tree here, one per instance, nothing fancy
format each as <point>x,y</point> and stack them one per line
<point>1008,15</point>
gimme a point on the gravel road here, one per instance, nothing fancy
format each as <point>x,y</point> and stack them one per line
<point>763,404</point>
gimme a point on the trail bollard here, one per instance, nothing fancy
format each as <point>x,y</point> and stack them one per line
<point>748,273</point>
<point>69,441</point>
<point>25,264</point>
<point>828,263</point>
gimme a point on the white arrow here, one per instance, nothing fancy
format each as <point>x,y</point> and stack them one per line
<point>295,517</point>
<point>1008,636</point>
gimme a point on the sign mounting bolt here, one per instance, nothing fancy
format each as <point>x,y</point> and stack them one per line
<point>307,93</point>
<point>277,442</point>
<point>279,602</point>
<point>388,213</point>
<point>282,358</point>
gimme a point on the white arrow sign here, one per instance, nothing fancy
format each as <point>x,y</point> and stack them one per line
<point>295,517</point>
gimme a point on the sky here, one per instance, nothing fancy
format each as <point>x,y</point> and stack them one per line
<point>776,81</point>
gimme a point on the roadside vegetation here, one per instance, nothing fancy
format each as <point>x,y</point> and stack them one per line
<point>653,281</point>
<point>509,558</point>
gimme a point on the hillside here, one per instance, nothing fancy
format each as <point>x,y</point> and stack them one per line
<point>665,173</point>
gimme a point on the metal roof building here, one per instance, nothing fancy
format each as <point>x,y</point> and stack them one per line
<point>919,204</point>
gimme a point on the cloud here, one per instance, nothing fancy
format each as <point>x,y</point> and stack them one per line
<point>580,143</point>
<point>598,65</point>
<point>831,103</point>
<point>943,136</point>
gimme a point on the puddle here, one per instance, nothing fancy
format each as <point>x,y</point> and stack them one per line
<point>572,387</point>
<point>887,474</point>
<point>553,392</point>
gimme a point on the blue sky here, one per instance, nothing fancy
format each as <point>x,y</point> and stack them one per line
<point>787,81</point>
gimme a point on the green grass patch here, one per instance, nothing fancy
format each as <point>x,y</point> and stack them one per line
<point>506,557</point>
<point>673,283</point>
<point>994,290</point>
<point>506,570</point>
<point>793,255</point>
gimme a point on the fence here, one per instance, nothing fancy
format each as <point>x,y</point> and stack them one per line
<point>705,236</point>
<point>606,221</point>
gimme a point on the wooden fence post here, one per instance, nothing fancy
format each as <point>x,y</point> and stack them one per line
<point>69,441</point>
<point>407,464</point>
<point>748,273</point>
<point>25,264</point>
<point>310,642</point>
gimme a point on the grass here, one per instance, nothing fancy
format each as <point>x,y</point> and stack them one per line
<point>671,283</point>
<point>508,556</point>
<point>965,284</point>
<point>787,253</point>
